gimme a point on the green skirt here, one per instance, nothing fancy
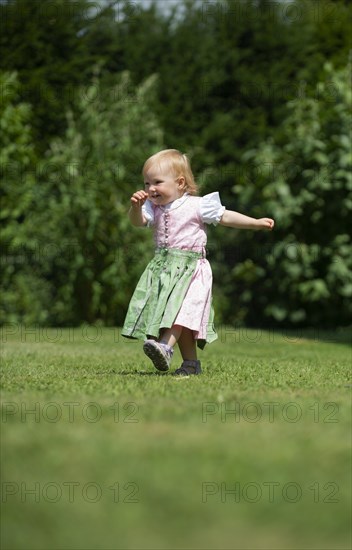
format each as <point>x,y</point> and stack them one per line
<point>159,295</point>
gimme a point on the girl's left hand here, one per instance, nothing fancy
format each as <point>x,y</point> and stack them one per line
<point>265,223</point>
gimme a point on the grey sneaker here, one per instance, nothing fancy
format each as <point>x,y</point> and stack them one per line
<point>160,354</point>
<point>188,368</point>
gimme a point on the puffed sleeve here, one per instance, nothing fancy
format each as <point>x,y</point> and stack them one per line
<point>211,209</point>
<point>148,212</point>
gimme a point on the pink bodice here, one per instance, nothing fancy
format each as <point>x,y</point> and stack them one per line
<point>180,226</point>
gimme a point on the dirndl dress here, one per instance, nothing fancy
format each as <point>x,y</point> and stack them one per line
<point>176,286</point>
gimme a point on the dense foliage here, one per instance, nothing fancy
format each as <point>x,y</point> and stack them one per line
<point>304,178</point>
<point>90,89</point>
<point>71,254</point>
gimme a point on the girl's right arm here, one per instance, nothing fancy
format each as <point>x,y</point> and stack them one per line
<point>135,213</point>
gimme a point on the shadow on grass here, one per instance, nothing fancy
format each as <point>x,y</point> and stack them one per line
<point>113,372</point>
<point>140,373</point>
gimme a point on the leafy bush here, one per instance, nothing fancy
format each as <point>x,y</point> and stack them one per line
<point>303,179</point>
<point>81,258</point>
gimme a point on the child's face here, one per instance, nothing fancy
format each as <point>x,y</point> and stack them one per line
<point>162,187</point>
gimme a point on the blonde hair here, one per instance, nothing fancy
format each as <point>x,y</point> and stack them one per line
<point>172,160</point>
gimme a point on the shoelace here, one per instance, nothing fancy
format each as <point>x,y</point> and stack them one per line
<point>168,349</point>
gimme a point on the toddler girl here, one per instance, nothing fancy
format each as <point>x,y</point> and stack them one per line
<point>172,301</point>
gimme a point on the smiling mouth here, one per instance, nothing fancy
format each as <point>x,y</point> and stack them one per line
<point>155,196</point>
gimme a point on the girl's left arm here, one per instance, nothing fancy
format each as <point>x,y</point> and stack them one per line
<point>240,221</point>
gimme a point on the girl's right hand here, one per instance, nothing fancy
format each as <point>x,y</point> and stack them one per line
<point>138,199</point>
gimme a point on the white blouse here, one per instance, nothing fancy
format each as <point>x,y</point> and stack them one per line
<point>211,209</point>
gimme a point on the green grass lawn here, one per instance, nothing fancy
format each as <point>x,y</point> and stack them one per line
<point>100,451</point>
